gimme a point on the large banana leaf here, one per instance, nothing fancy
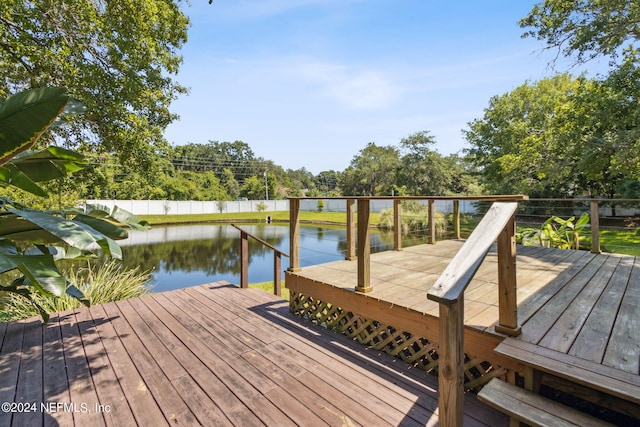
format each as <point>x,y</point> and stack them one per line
<point>31,241</point>
<point>41,271</point>
<point>50,163</point>
<point>107,228</point>
<point>74,234</point>
<point>15,228</point>
<point>10,175</point>
<point>118,216</point>
<point>25,116</point>
<point>30,167</point>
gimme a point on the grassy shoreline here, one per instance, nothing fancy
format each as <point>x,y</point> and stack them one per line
<point>330,218</point>
<point>615,241</point>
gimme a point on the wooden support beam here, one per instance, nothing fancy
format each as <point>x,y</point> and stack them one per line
<point>456,219</point>
<point>294,234</point>
<point>364,249</point>
<point>244,260</point>
<point>595,227</point>
<point>507,286</point>
<point>451,364</point>
<point>277,273</point>
<point>397,225</point>
<point>431,238</point>
<point>351,230</point>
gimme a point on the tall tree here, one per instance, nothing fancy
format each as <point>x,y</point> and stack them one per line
<point>424,171</point>
<point>230,184</point>
<point>216,156</point>
<point>253,188</point>
<point>585,28</point>
<point>605,124</point>
<point>327,181</point>
<point>518,144</point>
<point>301,179</point>
<point>117,57</point>
<point>372,172</point>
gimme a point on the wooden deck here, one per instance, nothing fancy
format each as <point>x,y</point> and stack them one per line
<point>579,311</point>
<point>208,355</point>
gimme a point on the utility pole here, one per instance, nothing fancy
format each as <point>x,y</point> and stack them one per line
<point>266,185</point>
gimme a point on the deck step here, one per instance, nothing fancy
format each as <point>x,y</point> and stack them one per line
<point>614,382</point>
<point>533,409</point>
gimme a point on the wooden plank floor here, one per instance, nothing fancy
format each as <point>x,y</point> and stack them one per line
<point>590,310</point>
<point>207,355</point>
<point>577,308</point>
<point>403,277</point>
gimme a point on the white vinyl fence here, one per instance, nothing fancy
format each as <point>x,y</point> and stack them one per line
<point>171,207</point>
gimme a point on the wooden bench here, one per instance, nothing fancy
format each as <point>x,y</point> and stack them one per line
<point>535,410</point>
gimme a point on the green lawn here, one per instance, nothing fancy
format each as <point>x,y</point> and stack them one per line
<point>616,241</point>
<point>620,242</point>
<point>268,287</point>
<point>279,216</point>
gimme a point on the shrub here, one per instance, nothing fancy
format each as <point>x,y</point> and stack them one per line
<point>99,284</point>
<point>556,233</point>
<point>415,217</point>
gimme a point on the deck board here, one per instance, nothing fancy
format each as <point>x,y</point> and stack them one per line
<point>575,307</point>
<point>593,339</point>
<point>208,355</point>
<point>623,352</point>
<point>404,277</point>
<point>567,326</point>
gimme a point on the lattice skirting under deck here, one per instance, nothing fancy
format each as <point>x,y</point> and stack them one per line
<point>403,345</point>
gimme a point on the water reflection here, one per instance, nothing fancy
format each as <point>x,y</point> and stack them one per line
<point>188,255</point>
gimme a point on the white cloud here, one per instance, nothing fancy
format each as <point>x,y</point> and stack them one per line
<point>349,86</point>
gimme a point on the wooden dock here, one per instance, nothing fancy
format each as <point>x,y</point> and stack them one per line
<point>207,355</point>
<point>579,312</point>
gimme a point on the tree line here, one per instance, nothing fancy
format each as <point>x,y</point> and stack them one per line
<point>562,136</point>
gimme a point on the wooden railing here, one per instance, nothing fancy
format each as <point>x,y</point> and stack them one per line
<point>244,260</point>
<point>358,227</point>
<point>497,224</point>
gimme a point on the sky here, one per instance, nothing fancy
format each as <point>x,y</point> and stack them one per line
<point>308,83</point>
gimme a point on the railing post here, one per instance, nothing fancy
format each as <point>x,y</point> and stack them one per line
<point>456,219</point>
<point>364,251</point>
<point>507,284</point>
<point>277,274</point>
<point>244,260</point>
<point>451,364</point>
<point>432,223</point>
<point>351,230</point>
<point>294,235</point>
<point>595,227</point>
<point>397,226</point>
<point>448,290</point>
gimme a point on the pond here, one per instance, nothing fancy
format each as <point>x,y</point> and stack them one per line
<point>189,255</point>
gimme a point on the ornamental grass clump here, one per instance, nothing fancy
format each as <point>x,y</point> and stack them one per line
<point>106,282</point>
<point>415,218</point>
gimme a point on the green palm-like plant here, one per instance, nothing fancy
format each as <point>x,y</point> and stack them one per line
<point>556,233</point>
<point>31,241</point>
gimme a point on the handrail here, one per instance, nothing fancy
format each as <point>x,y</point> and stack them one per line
<point>452,283</point>
<point>360,227</point>
<point>497,224</point>
<point>244,260</point>
<point>492,198</point>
